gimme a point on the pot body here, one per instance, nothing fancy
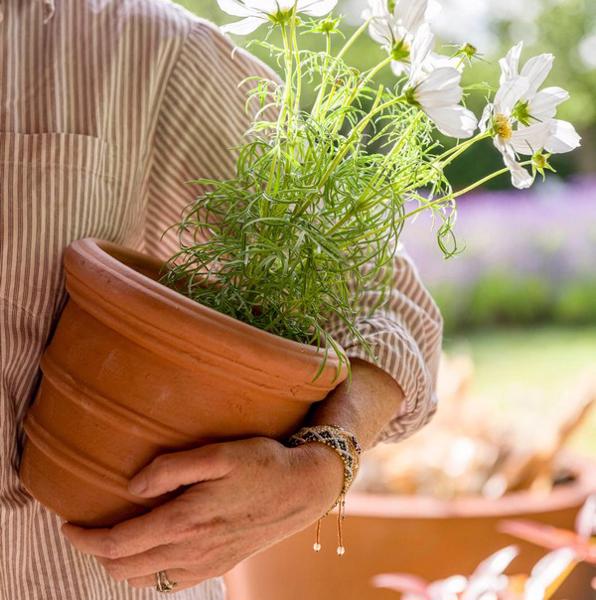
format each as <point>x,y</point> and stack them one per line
<point>135,369</point>
<point>429,538</point>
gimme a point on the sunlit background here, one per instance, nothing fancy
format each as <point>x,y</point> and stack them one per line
<point>519,300</point>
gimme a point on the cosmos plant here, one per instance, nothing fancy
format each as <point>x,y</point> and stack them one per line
<point>314,213</point>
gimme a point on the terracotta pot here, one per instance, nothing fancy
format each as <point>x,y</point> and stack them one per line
<point>430,538</point>
<point>135,369</point>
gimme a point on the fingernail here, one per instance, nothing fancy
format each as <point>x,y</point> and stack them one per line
<point>137,486</point>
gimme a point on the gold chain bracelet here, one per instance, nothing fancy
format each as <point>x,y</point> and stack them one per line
<point>348,449</point>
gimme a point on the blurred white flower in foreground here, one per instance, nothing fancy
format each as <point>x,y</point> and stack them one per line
<point>522,117</point>
<point>548,574</point>
<point>487,581</point>
<point>257,12</point>
<point>439,95</point>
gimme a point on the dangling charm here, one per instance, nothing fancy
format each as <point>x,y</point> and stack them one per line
<point>317,545</point>
<point>341,550</point>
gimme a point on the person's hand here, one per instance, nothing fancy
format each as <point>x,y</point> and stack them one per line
<point>243,497</point>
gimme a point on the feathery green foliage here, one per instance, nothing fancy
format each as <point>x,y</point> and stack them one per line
<point>313,216</point>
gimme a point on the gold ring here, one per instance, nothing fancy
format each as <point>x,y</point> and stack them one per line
<point>163,584</point>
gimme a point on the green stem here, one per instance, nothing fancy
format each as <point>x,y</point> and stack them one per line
<point>381,173</point>
<point>288,84</point>
<point>361,126</point>
<point>375,70</point>
<point>357,132</point>
<point>298,66</point>
<point>459,149</point>
<point>356,89</point>
<point>323,87</point>
<point>466,190</point>
<point>353,39</point>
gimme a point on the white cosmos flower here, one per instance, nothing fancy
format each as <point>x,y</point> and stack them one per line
<point>537,105</point>
<point>522,117</point>
<point>257,12</point>
<point>397,30</point>
<point>439,95</point>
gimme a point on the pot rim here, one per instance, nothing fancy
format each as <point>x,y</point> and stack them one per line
<point>362,504</point>
<point>187,317</point>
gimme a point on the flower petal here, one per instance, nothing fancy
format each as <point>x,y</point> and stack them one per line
<point>509,94</point>
<point>380,31</point>
<point>448,588</point>
<point>440,89</point>
<point>544,104</point>
<point>537,70</point>
<point>510,64</point>
<point>547,571</point>
<point>585,523</point>
<point>520,177</point>
<point>433,10</point>
<point>497,562</point>
<point>528,140</point>
<point>398,68</point>
<point>422,45</point>
<point>245,26</point>
<point>481,587</point>
<point>487,114</point>
<point>564,138</point>
<point>235,8</point>
<point>316,8</point>
<point>411,13</point>
<point>376,9</point>
<point>406,584</point>
<point>269,7</point>
<point>454,121</point>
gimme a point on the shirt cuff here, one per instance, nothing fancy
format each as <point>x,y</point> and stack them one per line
<point>394,350</point>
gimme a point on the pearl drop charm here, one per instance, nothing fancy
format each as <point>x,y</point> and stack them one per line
<point>316,547</point>
<point>341,550</point>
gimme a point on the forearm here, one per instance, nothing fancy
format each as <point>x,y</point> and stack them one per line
<point>363,406</point>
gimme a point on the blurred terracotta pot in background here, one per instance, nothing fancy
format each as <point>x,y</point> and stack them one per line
<point>430,538</point>
<point>135,369</point>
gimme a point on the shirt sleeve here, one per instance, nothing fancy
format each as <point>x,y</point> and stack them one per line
<point>404,334</point>
<point>203,117</point>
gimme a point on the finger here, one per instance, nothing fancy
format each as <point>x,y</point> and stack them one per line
<point>147,563</point>
<point>163,525</point>
<point>170,471</point>
<point>182,578</point>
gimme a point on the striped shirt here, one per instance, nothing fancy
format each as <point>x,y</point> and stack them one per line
<point>107,108</point>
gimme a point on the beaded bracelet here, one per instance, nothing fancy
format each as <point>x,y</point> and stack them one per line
<point>348,449</point>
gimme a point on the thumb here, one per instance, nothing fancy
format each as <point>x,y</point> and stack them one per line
<point>170,471</point>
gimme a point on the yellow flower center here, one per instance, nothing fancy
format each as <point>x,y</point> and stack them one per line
<point>502,127</point>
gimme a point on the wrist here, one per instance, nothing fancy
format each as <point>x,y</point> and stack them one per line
<point>321,466</point>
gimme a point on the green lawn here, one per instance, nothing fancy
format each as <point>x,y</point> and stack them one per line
<point>529,374</point>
